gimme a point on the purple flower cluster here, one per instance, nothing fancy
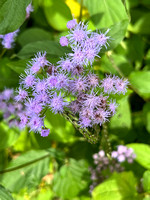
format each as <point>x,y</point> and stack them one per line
<point>69,86</point>
<point>105,166</point>
<point>10,108</point>
<point>8,39</point>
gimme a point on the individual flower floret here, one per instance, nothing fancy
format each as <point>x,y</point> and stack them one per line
<point>64,41</point>
<point>45,132</point>
<point>57,103</point>
<point>38,62</point>
<point>71,24</point>
<point>35,123</point>
<point>27,80</point>
<point>121,86</point>
<point>22,95</point>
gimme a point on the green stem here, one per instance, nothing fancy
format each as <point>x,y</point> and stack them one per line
<point>24,165</point>
<point>3,52</point>
<point>81,8</point>
<point>105,143</point>
<point>115,66</point>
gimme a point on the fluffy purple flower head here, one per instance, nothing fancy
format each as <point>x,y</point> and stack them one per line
<point>40,86</point>
<point>85,122</point>
<point>22,95</point>
<point>78,56</point>
<point>108,84</point>
<point>78,34</point>
<point>112,107</point>
<point>35,123</point>
<point>93,80</point>
<point>121,86</point>
<point>78,85</point>
<point>28,80</point>
<point>101,39</point>
<point>33,106</point>
<point>65,64</point>
<point>23,120</point>
<point>71,24</point>
<point>62,81</point>
<point>101,116</point>
<point>52,81</point>
<point>7,94</point>
<point>8,39</point>
<point>64,41</point>
<point>45,132</point>
<point>57,103</point>
<point>38,62</point>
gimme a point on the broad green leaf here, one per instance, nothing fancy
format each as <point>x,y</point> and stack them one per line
<point>146,181</point>
<point>8,78</point>
<point>18,66</point>
<point>27,170</point>
<point>61,129</point>
<point>140,81</point>
<point>57,14</point>
<point>146,113</point>
<point>5,194</point>
<point>119,187</point>
<point>33,35</point>
<point>8,135</point>
<point>12,14</point>
<point>109,63</point>
<point>142,25</point>
<point>52,48</point>
<point>122,118</point>
<point>105,13</point>
<point>71,179</point>
<point>142,152</point>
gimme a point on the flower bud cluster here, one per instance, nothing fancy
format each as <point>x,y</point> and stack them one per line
<point>70,85</point>
<point>10,108</point>
<point>105,166</point>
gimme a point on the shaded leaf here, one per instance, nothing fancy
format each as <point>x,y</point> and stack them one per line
<point>142,152</point>
<point>12,14</point>
<point>52,48</point>
<point>122,186</point>
<point>5,194</point>
<point>33,35</point>
<point>57,14</point>
<point>71,179</point>
<point>140,81</point>
<point>146,181</point>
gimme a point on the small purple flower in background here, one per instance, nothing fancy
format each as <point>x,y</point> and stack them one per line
<point>45,132</point>
<point>29,9</point>
<point>71,24</point>
<point>8,39</point>
<point>105,166</point>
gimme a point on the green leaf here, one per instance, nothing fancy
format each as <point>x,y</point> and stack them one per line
<point>5,194</point>
<point>146,181</point>
<point>105,13</point>
<point>142,152</point>
<point>119,187</point>
<point>61,129</point>
<point>27,170</point>
<point>52,48</point>
<point>71,179</point>
<point>122,118</point>
<point>140,81</point>
<point>8,135</point>
<point>33,35</point>
<point>57,14</point>
<point>8,78</point>
<point>18,66</point>
<point>142,25</point>
<point>146,113</point>
<point>12,14</point>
